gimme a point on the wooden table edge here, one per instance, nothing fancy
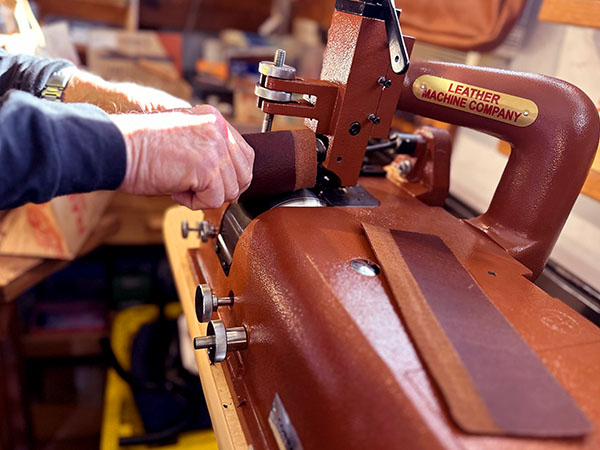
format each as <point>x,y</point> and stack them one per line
<point>226,424</point>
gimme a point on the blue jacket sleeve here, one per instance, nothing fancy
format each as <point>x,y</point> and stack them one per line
<point>27,73</point>
<point>49,149</point>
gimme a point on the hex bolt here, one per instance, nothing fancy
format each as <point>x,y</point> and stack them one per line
<point>279,62</point>
<point>375,119</point>
<point>383,81</point>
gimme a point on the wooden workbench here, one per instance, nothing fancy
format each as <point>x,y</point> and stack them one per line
<point>225,420</point>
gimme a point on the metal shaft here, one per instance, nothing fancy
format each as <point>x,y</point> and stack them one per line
<point>279,62</point>
<point>224,301</point>
<point>237,339</point>
<point>204,342</point>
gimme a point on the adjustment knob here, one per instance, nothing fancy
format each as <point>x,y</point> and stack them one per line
<point>185,228</point>
<point>207,303</point>
<point>220,340</point>
<point>205,230</point>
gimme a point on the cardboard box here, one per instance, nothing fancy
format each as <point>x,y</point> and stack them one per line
<point>54,230</point>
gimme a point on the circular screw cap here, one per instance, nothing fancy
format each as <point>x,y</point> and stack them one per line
<point>354,128</point>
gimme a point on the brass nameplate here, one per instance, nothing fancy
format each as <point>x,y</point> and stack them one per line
<point>494,105</point>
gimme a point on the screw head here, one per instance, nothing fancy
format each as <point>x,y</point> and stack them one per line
<point>365,267</point>
<point>354,128</point>
<point>375,119</point>
<point>404,167</point>
<point>383,81</point>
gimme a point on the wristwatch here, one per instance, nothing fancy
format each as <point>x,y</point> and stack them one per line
<point>56,85</point>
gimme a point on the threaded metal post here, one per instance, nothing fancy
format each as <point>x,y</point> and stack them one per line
<point>279,61</point>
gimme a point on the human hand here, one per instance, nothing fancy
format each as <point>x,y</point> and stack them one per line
<point>118,98</point>
<point>193,154</point>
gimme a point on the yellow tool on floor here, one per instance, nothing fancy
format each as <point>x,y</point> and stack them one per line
<point>120,417</point>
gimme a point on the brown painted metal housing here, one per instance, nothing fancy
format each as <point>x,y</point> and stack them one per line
<point>334,347</point>
<point>330,342</point>
<point>549,162</point>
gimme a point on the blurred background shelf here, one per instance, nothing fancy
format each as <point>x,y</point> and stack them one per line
<point>122,13</point>
<point>573,12</point>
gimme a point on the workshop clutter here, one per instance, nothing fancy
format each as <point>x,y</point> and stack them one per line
<point>226,68</point>
<point>56,230</point>
<point>139,57</point>
<point>20,32</point>
<point>485,26</point>
<point>150,397</point>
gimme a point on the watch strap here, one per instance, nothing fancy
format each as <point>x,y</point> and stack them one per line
<point>56,85</point>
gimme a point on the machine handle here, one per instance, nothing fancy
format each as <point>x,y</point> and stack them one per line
<point>552,148</point>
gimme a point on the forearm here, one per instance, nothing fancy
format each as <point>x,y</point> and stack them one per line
<point>117,98</point>
<point>49,149</point>
<point>85,87</point>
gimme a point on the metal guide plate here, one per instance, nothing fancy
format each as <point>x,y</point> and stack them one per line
<point>282,427</point>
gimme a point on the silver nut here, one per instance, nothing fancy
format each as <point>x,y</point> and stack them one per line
<point>284,72</point>
<point>404,167</point>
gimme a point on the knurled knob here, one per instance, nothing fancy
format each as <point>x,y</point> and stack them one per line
<point>207,302</point>
<point>220,340</point>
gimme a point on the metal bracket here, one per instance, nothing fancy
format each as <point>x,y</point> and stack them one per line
<point>398,53</point>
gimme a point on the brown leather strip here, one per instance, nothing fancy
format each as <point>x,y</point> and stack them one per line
<point>520,395</point>
<point>284,162</point>
<point>466,407</point>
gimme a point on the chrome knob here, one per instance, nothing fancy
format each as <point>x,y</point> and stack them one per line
<point>205,230</point>
<point>220,340</point>
<point>207,303</point>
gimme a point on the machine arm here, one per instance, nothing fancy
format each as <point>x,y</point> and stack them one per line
<point>553,130</point>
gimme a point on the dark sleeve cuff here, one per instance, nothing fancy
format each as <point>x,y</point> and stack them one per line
<point>49,149</point>
<point>27,73</point>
